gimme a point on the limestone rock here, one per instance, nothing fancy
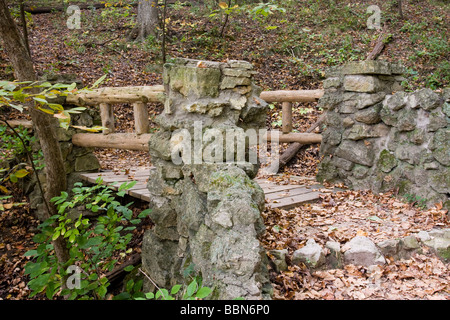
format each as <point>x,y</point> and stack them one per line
<point>364,131</point>
<point>279,259</point>
<point>334,259</point>
<point>362,251</point>
<point>356,152</point>
<point>406,120</point>
<point>232,82</point>
<point>386,161</point>
<point>88,162</point>
<point>311,255</point>
<point>440,180</point>
<point>425,98</point>
<point>436,120</point>
<point>193,81</point>
<point>389,248</point>
<point>331,82</point>
<point>370,115</point>
<point>360,83</point>
<point>396,101</point>
<point>369,99</point>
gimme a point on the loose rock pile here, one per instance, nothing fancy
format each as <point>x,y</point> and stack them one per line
<point>362,251</point>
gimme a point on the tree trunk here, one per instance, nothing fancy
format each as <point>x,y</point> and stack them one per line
<point>24,71</point>
<point>147,20</point>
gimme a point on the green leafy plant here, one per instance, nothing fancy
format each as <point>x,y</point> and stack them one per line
<point>16,144</point>
<point>415,200</point>
<point>15,94</point>
<point>225,10</point>
<point>93,245</point>
<point>194,290</point>
<point>263,10</point>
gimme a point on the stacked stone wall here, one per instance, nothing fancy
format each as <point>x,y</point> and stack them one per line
<point>381,138</point>
<point>205,205</point>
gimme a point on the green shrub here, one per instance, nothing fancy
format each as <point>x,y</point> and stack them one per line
<point>93,245</point>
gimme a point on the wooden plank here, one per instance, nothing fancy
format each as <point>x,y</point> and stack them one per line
<point>277,196</point>
<point>300,137</point>
<point>143,194</point>
<point>277,188</point>
<point>292,95</point>
<point>290,193</point>
<point>290,202</point>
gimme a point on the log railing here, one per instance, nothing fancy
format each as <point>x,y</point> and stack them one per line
<point>287,97</point>
<point>105,98</point>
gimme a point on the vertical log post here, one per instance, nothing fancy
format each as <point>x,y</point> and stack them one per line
<point>286,117</point>
<point>107,115</point>
<point>140,117</point>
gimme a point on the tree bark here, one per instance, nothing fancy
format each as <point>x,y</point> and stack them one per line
<point>147,20</point>
<point>44,125</point>
<point>380,44</point>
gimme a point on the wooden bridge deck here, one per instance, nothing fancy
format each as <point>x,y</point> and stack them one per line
<point>277,196</point>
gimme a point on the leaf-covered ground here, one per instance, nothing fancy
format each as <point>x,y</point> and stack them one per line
<point>340,217</point>
<point>289,50</point>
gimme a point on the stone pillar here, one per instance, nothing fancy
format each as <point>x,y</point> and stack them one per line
<point>205,205</point>
<point>380,138</point>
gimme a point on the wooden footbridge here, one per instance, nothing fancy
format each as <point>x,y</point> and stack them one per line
<point>281,196</point>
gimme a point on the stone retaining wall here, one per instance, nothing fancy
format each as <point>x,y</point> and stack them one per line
<point>380,138</point>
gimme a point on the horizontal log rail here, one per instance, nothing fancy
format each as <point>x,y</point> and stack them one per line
<point>287,97</point>
<point>303,138</point>
<point>292,95</point>
<point>127,141</point>
<point>115,95</point>
<point>131,141</point>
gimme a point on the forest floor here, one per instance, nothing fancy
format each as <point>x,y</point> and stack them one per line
<point>287,55</point>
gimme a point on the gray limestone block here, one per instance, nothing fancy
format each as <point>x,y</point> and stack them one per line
<point>356,152</point>
<point>406,119</point>
<point>369,115</point>
<point>332,82</point>
<point>362,251</point>
<point>425,98</point>
<point>386,161</point>
<point>389,248</point>
<point>362,83</point>
<point>88,162</point>
<point>334,260</point>
<point>311,255</point>
<point>279,259</point>
<point>396,101</point>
